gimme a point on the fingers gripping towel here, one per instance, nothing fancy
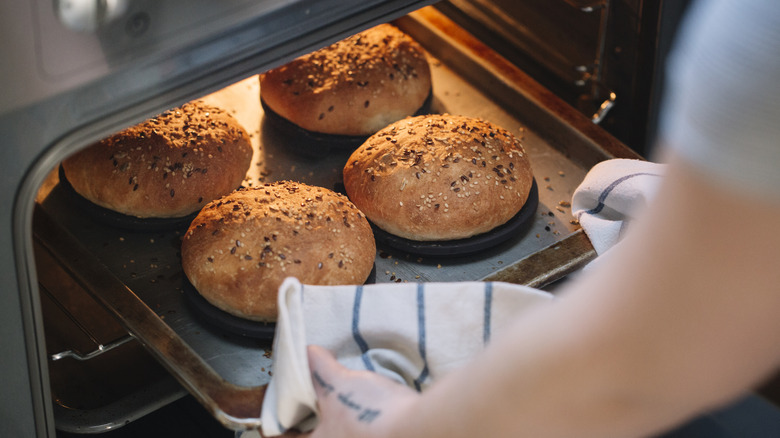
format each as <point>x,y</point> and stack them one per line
<point>611,194</point>
<point>410,332</point>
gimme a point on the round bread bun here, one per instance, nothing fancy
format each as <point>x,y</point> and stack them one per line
<point>439,177</point>
<point>166,167</point>
<point>240,248</point>
<point>353,87</point>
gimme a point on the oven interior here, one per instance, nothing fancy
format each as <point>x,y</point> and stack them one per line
<point>573,77</point>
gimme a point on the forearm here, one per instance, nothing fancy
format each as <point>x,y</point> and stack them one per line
<point>657,332</point>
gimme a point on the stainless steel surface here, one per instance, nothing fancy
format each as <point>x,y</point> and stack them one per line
<point>89,15</point>
<point>137,275</point>
<point>151,43</point>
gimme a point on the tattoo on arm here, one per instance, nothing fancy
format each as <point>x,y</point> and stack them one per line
<point>320,381</point>
<point>364,414</point>
<point>368,415</point>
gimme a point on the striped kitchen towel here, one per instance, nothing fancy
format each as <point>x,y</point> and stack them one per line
<point>611,194</point>
<point>410,332</point>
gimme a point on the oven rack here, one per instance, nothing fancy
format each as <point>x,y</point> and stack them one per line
<point>100,349</point>
<point>101,377</point>
<point>98,346</point>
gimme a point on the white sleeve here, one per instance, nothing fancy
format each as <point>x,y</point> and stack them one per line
<point>722,104</point>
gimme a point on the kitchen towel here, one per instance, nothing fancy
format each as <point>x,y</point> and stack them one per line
<point>410,332</point>
<point>610,196</point>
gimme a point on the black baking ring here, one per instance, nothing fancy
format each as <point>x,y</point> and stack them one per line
<point>213,316</point>
<point>318,143</point>
<point>120,220</point>
<point>459,247</point>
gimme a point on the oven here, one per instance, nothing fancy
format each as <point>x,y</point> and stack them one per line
<point>96,331</point>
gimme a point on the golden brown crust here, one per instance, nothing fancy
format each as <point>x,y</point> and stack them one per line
<point>439,177</point>
<point>353,87</point>
<point>240,248</point>
<point>168,166</point>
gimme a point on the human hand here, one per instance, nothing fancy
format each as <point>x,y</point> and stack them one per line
<point>355,403</point>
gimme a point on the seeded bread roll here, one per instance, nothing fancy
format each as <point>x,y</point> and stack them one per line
<point>240,248</point>
<point>439,177</point>
<point>166,167</point>
<point>354,87</point>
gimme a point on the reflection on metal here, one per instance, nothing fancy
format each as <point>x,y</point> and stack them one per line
<point>587,5</point>
<point>102,348</point>
<point>604,108</point>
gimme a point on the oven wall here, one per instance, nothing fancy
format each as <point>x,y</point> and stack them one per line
<point>585,49</point>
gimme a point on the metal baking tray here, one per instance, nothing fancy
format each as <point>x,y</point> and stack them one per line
<point>136,274</point>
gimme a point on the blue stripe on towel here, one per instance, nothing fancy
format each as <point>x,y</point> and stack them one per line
<point>488,307</point>
<point>280,426</point>
<point>421,336</point>
<point>603,195</point>
<point>356,330</point>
